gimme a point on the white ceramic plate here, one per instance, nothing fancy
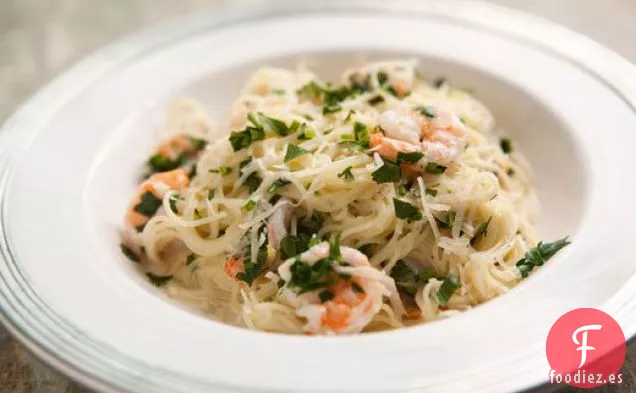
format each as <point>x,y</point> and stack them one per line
<point>69,155</point>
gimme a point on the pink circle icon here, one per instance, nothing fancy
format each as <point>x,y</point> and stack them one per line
<point>586,348</point>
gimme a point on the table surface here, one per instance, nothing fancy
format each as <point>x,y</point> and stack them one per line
<point>39,38</point>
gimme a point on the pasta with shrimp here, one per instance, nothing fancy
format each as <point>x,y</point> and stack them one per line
<point>380,201</point>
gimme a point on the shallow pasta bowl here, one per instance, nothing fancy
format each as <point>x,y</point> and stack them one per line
<point>68,160</point>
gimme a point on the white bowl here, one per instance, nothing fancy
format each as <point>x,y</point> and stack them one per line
<point>69,157</point>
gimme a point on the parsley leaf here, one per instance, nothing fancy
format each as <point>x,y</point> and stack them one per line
<point>361,134</point>
<point>446,290</point>
<point>387,173</point>
<point>439,82</point>
<point>243,139</point>
<point>270,124</point>
<point>375,100</point>
<point>325,296</point>
<point>428,111</point>
<point>251,270</point>
<point>538,255</point>
<point>250,205</point>
<point>160,163</point>
<point>252,182</point>
<point>334,247</point>
<point>406,211</point>
<point>279,183</point>
<point>327,109</point>
<point>449,221</point>
<point>409,157</point>
<point>311,277</point>
<point>431,191</point>
<point>191,263</point>
<point>482,230</point>
<point>148,205</point>
<point>408,279</point>
<point>223,171</point>
<point>156,280</point>
<point>434,168</point>
<point>210,194</point>
<point>288,247</point>
<point>129,253</point>
<point>173,204</point>
<point>244,163</point>
<point>348,176</point>
<point>307,133</point>
<point>294,152</point>
<point>351,112</point>
<point>506,145</point>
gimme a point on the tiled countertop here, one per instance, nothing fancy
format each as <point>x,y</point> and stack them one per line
<point>39,38</point>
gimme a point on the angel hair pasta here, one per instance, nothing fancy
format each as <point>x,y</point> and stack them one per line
<point>377,202</point>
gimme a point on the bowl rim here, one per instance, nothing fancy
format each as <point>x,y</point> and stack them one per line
<point>20,303</point>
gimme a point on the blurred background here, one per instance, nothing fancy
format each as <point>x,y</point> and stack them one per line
<point>40,38</point>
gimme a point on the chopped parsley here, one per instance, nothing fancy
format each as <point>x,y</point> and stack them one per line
<point>334,247</point>
<point>210,194</point>
<point>375,100</point>
<point>351,113</point>
<point>406,211</point>
<point>482,230</point>
<point>408,279</point>
<point>161,163</point>
<point>244,163</point>
<point>311,277</point>
<point>348,176</point>
<point>409,157</point>
<point>250,205</point>
<point>306,133</point>
<point>431,191</point>
<point>361,133</point>
<point>538,255</point>
<point>191,263</point>
<point>253,269</point>
<point>243,139</point>
<point>278,92</point>
<point>366,249</point>
<point>428,111</point>
<point>198,143</point>
<point>439,82</point>
<point>327,109</point>
<point>223,171</point>
<point>311,91</point>
<point>173,204</point>
<point>387,173</point>
<point>158,281</point>
<point>325,296</point>
<point>148,205</point>
<point>434,168</point>
<point>449,221</point>
<point>129,253</point>
<point>330,97</point>
<point>294,152</point>
<point>253,181</point>
<point>506,145</point>
<point>279,183</point>
<point>446,290</point>
<point>268,124</point>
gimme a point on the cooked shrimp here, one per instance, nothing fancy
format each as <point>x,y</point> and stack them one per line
<point>176,146</point>
<point>278,223</point>
<point>355,296</point>
<point>233,266</point>
<point>158,184</point>
<point>441,138</point>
